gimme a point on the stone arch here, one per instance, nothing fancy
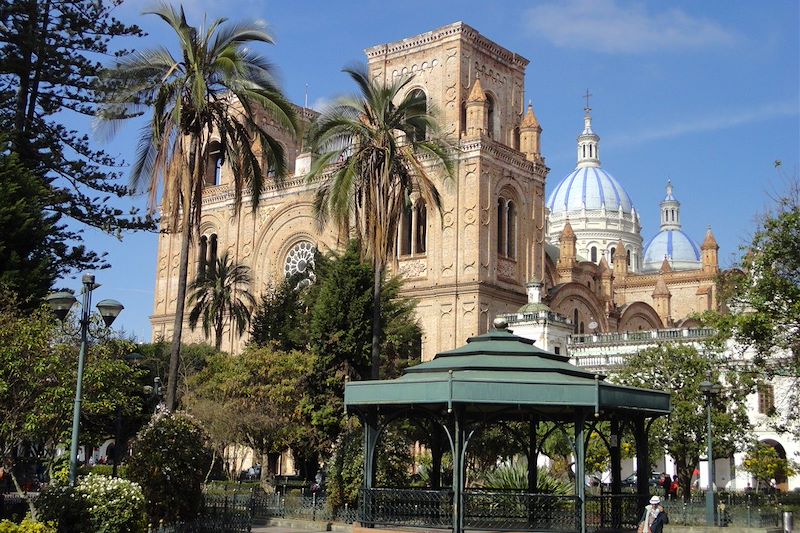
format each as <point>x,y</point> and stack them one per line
<point>292,222</point>
<point>510,212</point>
<point>782,482</point>
<point>639,316</point>
<point>570,296</point>
<point>492,116</point>
<point>688,323</point>
<point>417,88</point>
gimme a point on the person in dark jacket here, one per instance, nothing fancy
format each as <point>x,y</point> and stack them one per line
<point>654,517</point>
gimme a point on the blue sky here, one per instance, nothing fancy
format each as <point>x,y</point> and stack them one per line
<point>704,93</point>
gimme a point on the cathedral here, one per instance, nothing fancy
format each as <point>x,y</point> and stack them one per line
<point>500,244</point>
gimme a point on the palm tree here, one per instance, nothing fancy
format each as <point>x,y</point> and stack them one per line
<point>377,141</point>
<point>222,291</point>
<point>211,91</point>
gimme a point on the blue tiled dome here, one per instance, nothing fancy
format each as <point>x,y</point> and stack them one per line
<point>591,186</point>
<point>682,252</point>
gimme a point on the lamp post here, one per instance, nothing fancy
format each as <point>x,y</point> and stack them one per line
<point>710,390</point>
<point>61,303</point>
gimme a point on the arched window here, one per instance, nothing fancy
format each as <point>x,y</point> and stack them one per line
<point>212,250</point>
<point>490,115</point>
<point>515,140</point>
<point>406,229</point>
<point>575,321</point>
<point>611,253</point>
<point>590,150</point>
<point>463,117</point>
<point>581,329</point>
<point>419,106</point>
<point>584,150</point>
<point>594,254</point>
<point>201,256</point>
<point>501,222</point>
<point>214,165</point>
<point>511,230</point>
<point>766,399</point>
<point>628,258</point>
<point>421,228</point>
<point>412,233</point>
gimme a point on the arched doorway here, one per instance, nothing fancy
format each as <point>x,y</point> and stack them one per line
<point>781,481</point>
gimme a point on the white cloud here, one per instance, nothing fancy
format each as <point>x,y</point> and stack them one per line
<point>622,27</point>
<point>320,103</point>
<point>709,123</point>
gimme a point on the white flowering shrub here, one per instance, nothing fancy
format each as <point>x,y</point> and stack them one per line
<point>169,459</point>
<point>98,504</point>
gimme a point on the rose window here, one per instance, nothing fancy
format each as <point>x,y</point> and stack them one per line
<point>300,261</point>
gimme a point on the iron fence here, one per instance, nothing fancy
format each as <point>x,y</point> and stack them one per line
<point>407,507</point>
<point>606,512</point>
<point>512,510</point>
<point>733,511</point>
<point>13,506</point>
<point>314,507</point>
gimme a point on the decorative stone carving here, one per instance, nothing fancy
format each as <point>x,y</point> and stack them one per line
<point>448,219</point>
<point>413,268</point>
<point>506,269</point>
<point>469,216</point>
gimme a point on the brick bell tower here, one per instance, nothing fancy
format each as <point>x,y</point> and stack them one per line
<point>472,260</point>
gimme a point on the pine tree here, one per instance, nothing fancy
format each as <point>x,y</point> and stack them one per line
<point>27,247</point>
<point>50,53</point>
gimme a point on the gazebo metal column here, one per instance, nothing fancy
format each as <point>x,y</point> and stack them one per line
<point>580,468</point>
<point>459,435</point>
<point>642,460</point>
<point>533,455</point>
<point>616,467</point>
<point>370,441</point>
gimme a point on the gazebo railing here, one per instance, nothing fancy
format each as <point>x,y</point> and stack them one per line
<point>407,507</point>
<point>499,510</point>
<point>619,512</point>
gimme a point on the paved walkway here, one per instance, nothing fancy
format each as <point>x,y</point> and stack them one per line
<point>280,529</point>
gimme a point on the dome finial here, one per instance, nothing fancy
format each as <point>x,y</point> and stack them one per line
<point>588,140</point>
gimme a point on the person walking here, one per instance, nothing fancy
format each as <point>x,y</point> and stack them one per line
<point>654,517</point>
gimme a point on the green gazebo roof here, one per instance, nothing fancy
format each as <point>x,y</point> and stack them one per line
<point>498,370</point>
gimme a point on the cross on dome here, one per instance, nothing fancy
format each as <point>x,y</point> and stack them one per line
<point>588,140</point>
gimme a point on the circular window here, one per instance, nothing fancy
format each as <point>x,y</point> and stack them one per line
<point>300,262</point>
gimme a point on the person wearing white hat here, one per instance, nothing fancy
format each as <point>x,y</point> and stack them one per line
<point>654,517</point>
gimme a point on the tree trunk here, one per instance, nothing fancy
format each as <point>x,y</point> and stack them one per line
<point>218,337</point>
<point>685,472</point>
<point>177,330</point>
<point>376,322</point>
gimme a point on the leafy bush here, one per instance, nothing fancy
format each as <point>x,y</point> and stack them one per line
<point>514,476</point>
<point>170,458</point>
<point>27,526</point>
<point>98,504</point>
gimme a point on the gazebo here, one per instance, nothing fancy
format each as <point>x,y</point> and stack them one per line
<point>497,378</point>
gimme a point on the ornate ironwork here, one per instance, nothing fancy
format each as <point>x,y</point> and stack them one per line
<point>511,510</point>
<point>407,507</point>
<point>312,507</point>
<point>612,512</point>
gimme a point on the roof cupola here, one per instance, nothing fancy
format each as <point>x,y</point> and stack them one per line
<point>588,140</point>
<point>670,210</point>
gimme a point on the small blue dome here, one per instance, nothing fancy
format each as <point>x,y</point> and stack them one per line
<point>682,252</point>
<point>590,186</point>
